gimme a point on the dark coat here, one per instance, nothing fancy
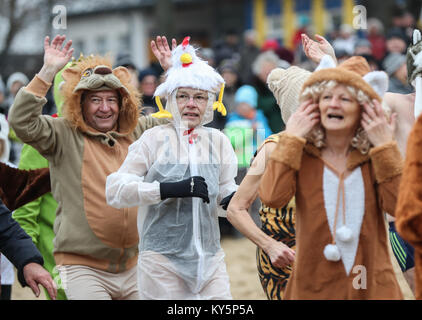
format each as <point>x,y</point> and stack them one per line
<point>16,245</point>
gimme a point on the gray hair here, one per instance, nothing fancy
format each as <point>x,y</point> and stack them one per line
<point>267,56</point>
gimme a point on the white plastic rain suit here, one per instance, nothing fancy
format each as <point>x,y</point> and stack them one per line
<point>180,256</point>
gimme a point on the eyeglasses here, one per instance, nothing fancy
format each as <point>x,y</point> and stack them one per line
<point>199,99</point>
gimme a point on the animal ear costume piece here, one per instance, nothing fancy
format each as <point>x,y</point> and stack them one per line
<point>352,73</point>
<point>122,73</point>
<point>188,70</point>
<point>69,73</point>
<point>378,80</point>
<point>326,62</point>
<point>414,58</point>
<point>414,67</point>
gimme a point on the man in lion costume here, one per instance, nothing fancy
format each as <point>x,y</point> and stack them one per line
<point>95,245</point>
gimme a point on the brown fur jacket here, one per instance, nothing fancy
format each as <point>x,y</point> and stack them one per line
<point>409,206</point>
<point>18,187</point>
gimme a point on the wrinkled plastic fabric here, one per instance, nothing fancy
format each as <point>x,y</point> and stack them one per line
<point>163,280</point>
<point>179,237</point>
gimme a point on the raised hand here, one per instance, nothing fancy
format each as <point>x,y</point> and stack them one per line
<point>304,119</point>
<point>161,50</point>
<point>56,56</point>
<point>315,50</point>
<point>379,129</point>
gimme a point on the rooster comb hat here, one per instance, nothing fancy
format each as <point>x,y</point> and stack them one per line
<point>188,70</point>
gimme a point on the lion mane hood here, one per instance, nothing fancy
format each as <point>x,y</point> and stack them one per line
<point>95,73</point>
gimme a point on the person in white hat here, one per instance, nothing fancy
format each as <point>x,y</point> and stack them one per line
<point>178,174</point>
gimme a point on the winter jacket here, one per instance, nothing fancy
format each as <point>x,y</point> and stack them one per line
<point>16,245</point>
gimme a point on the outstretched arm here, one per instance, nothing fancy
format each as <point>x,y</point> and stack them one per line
<point>25,116</point>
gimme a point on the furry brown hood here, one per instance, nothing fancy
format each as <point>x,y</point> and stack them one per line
<point>72,110</point>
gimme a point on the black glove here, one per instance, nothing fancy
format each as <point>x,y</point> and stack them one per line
<point>226,201</point>
<point>191,187</point>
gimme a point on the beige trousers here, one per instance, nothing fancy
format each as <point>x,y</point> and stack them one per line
<point>86,283</point>
<point>159,280</point>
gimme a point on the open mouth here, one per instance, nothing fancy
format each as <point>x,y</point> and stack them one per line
<point>333,116</point>
<point>190,115</point>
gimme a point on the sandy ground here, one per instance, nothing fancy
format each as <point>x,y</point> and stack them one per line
<point>241,266</point>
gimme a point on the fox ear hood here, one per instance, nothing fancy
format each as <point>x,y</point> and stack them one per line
<point>95,73</point>
<point>354,72</point>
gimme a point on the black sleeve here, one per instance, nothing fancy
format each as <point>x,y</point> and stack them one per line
<point>16,244</point>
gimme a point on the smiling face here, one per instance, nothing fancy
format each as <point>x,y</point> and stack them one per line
<point>340,111</point>
<point>191,104</point>
<point>101,109</point>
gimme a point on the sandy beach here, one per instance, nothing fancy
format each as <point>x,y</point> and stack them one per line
<point>241,266</point>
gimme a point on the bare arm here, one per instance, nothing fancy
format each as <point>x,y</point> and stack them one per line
<point>238,215</point>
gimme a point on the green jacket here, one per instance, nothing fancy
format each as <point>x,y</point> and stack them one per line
<point>37,217</point>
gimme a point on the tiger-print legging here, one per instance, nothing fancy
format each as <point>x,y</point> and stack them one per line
<point>280,225</point>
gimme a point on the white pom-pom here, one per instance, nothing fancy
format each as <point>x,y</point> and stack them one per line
<point>331,252</point>
<point>344,234</point>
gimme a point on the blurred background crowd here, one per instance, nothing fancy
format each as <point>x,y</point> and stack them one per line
<point>243,39</point>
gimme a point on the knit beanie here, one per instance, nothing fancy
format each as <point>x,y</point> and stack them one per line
<point>246,94</point>
<point>286,85</point>
<point>17,76</point>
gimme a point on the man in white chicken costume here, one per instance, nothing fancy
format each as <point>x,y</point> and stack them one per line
<point>180,174</point>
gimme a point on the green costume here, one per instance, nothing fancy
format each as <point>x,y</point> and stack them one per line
<point>37,217</point>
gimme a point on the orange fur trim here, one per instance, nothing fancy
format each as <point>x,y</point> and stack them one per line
<point>72,110</point>
<point>343,76</point>
<point>387,161</point>
<point>289,150</point>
